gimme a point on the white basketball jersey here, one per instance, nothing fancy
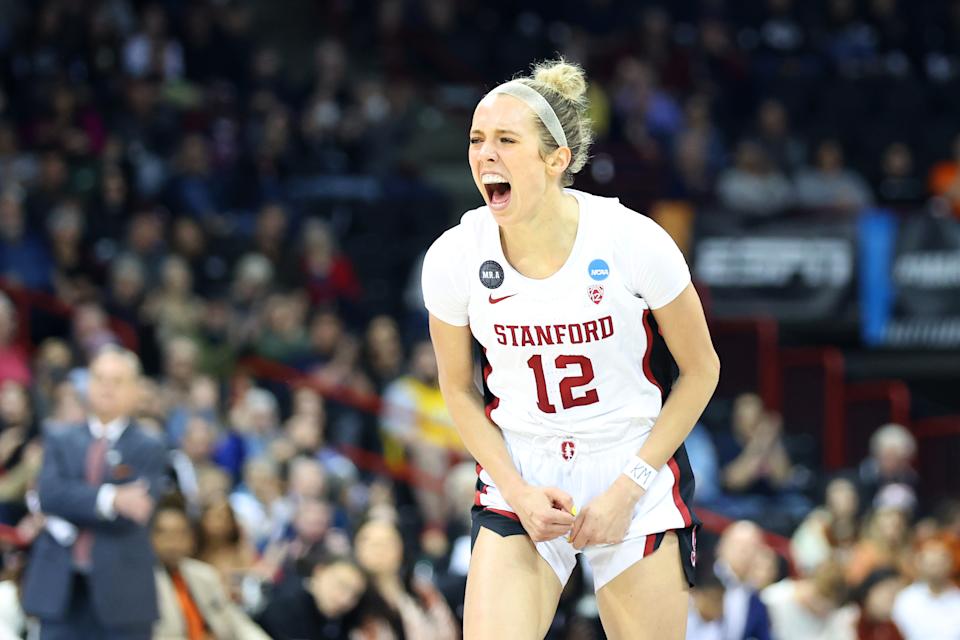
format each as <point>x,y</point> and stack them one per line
<point>569,353</point>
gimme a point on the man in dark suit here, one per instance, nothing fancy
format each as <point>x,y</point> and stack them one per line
<point>91,571</point>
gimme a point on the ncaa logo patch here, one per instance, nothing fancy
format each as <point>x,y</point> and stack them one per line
<point>491,274</point>
<point>599,269</point>
<point>595,293</point>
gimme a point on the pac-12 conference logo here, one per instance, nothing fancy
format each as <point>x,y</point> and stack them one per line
<point>599,269</point>
<point>491,274</point>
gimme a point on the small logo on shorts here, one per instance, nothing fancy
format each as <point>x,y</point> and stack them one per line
<point>568,450</point>
<point>693,545</point>
<point>491,274</point>
<point>595,293</point>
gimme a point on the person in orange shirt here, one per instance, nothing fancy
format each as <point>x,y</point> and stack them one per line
<point>945,179</point>
<point>192,601</point>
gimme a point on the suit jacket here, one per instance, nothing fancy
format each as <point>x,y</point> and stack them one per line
<point>758,620</point>
<point>121,583</point>
<point>225,620</point>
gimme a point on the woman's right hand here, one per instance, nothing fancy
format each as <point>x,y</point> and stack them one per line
<point>545,512</point>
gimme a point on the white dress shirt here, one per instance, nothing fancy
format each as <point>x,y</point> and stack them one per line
<point>112,432</point>
<point>64,531</point>
<point>921,614</point>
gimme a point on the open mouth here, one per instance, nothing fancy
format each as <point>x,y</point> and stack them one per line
<point>498,190</point>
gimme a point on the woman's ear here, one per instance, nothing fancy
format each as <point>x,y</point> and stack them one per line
<point>559,160</point>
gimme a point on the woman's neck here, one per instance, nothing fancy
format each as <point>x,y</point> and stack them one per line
<point>539,246</point>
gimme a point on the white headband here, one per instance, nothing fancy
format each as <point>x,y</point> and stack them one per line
<point>532,98</point>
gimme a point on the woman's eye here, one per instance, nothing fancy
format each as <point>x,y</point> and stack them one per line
<point>474,140</point>
<point>507,140</point>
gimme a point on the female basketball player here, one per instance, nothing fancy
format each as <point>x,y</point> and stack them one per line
<point>576,449</point>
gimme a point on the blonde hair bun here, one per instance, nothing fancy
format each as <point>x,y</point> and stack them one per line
<point>565,78</point>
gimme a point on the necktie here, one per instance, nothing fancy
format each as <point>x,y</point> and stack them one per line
<point>96,456</point>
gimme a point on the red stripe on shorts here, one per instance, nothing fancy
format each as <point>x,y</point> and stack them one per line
<point>509,514</point>
<point>677,500</point>
<point>648,547</point>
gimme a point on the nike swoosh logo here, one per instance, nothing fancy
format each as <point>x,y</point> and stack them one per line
<point>496,300</point>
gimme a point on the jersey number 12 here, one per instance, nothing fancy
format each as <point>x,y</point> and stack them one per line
<point>567,385</point>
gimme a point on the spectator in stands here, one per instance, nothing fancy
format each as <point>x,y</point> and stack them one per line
<point>929,609</point>
<point>421,609</point>
<point>180,371</point>
<point>744,614</point>
<point>637,96</point>
<point>693,178</point>
<point>255,416</point>
<point>892,449</point>
<point>208,268</point>
<point>52,362</point>
<point>253,275</point>
<point>146,241</point>
<point>75,272</point>
<point>127,281</point>
<point>17,165</point>
<point>20,451</point>
<point>223,544</point>
<point>417,426</point>
<point>875,598</point>
<point>828,531</point>
<point>67,410</point>
<point>324,608</point>
<point>108,212</point>
<point>756,469</point>
<point>766,569</point>
<point>306,480</point>
<point>705,616</point>
<point>13,621</point>
<point>306,431</point>
<point>753,187</point>
<point>899,187</point>
<point>284,336</point>
<point>191,597</point>
<point>383,351</point>
<point>217,338</point>
<point>259,502</point>
<point>192,459</point>
<point>944,180</point>
<point>92,575</point>
<point>703,461</point>
<point>811,608</point>
<point>213,486</point>
<point>91,331</point>
<point>13,358</point>
<point>152,52</point>
<point>326,332</point>
<point>195,189</point>
<point>23,258</point>
<point>449,557</point>
<point>51,186</point>
<point>271,240</point>
<point>173,308</point>
<point>313,538</point>
<point>882,545</point>
<point>830,185</point>
<point>773,134</point>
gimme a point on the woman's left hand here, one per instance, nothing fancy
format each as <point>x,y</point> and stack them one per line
<point>606,519</point>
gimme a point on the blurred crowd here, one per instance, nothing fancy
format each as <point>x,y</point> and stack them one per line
<point>240,195</point>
